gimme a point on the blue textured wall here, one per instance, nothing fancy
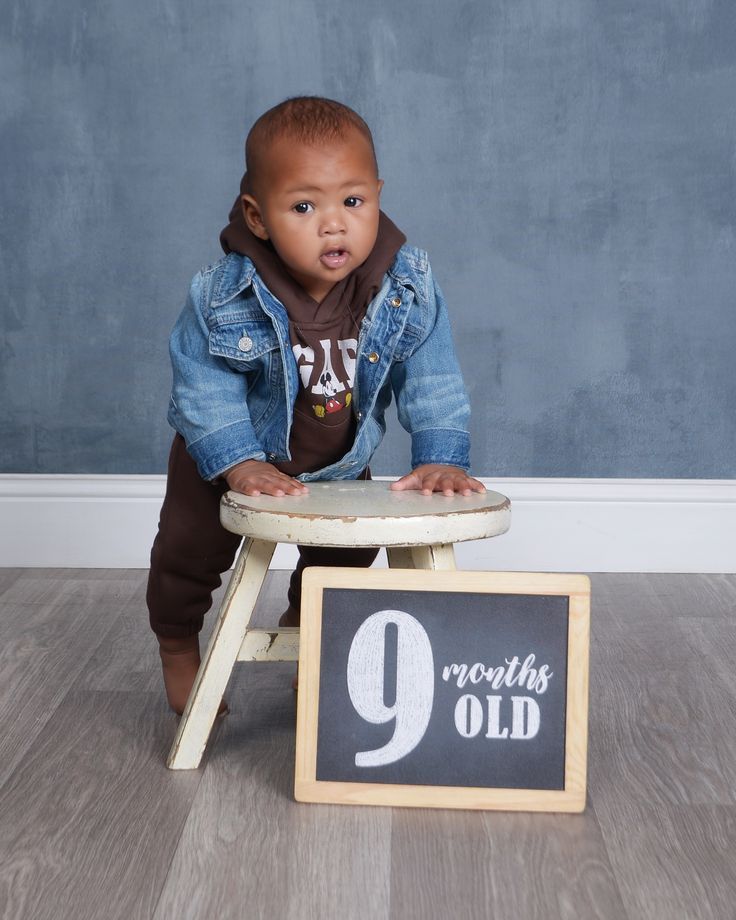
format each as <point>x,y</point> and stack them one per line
<point>569,164</point>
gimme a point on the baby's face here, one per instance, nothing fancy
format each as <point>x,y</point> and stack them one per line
<point>319,206</point>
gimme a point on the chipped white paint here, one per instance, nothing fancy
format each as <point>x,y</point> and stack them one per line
<point>278,644</point>
<point>366,514</point>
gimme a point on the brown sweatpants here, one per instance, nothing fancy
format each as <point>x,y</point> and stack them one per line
<point>192,550</point>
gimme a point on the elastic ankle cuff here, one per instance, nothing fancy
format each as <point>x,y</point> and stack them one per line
<point>177,630</point>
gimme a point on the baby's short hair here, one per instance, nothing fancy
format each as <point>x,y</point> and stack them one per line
<point>305,119</point>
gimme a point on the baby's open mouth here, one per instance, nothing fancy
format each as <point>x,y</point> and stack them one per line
<point>334,258</point>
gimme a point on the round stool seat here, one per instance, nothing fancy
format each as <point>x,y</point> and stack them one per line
<point>360,513</point>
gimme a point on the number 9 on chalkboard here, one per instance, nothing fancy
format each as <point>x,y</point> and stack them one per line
<point>414,694</point>
<point>444,689</point>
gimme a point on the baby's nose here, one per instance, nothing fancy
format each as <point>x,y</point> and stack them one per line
<point>333,223</point>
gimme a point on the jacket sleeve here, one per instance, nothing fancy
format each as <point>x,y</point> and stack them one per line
<point>431,400</point>
<point>208,405</point>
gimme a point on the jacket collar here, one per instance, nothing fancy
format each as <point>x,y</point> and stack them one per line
<point>236,272</point>
<point>234,276</point>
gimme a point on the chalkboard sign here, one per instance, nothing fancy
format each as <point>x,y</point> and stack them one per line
<point>446,689</point>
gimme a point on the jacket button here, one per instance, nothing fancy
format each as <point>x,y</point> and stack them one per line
<point>395,301</point>
<point>245,344</point>
<point>360,416</point>
<point>373,357</point>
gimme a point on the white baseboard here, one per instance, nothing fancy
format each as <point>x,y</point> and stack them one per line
<point>557,525</point>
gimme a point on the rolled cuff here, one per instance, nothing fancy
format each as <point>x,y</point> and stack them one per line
<point>218,451</point>
<point>448,446</point>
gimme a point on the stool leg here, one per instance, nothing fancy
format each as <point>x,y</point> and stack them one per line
<point>222,652</point>
<point>400,557</point>
<point>436,556</point>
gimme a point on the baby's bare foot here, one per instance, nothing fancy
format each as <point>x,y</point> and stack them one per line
<point>290,617</point>
<point>180,662</point>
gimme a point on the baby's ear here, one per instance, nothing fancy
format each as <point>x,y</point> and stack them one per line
<point>253,216</point>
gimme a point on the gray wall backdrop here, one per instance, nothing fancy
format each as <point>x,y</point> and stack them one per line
<point>570,165</point>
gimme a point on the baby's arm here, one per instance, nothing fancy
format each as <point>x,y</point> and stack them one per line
<point>253,477</point>
<point>433,407</point>
<point>209,400</point>
<point>435,477</point>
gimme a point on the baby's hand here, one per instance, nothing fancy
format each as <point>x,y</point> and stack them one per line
<point>253,477</point>
<point>434,477</point>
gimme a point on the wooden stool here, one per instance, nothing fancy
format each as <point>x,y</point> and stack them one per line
<point>418,531</point>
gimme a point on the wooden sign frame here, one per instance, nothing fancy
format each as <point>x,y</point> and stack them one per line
<point>307,788</point>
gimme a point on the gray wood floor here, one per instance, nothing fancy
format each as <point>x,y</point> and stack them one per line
<point>92,824</point>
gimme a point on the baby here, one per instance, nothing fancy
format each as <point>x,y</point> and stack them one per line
<point>286,356</point>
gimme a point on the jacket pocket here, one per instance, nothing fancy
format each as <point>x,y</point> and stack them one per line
<point>244,344</point>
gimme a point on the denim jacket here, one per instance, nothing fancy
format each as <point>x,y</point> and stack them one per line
<point>236,378</point>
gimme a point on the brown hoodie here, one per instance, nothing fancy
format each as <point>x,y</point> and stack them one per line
<point>324,338</point>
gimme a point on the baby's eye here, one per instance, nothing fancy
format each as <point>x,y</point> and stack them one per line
<point>353,202</point>
<point>304,207</point>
